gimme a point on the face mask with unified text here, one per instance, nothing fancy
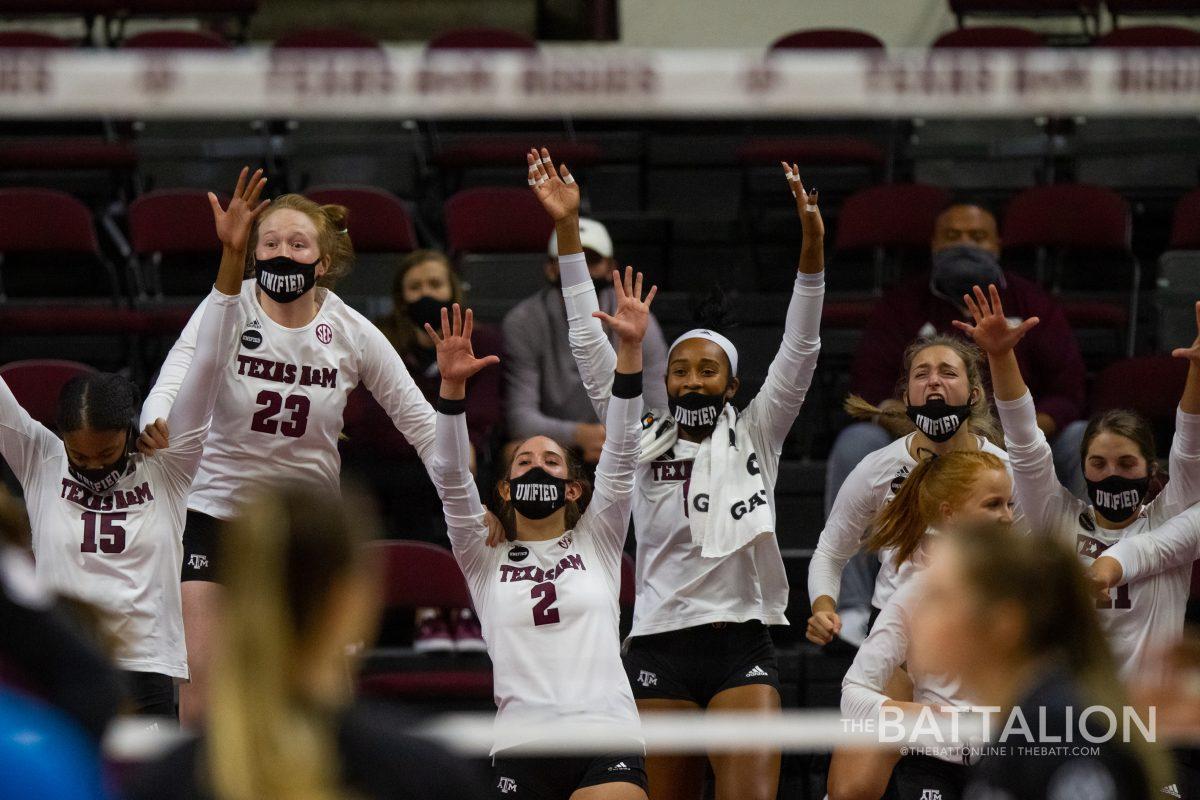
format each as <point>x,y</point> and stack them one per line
<point>284,279</point>
<point>937,419</point>
<point>696,412</point>
<point>537,494</point>
<point>1117,498</point>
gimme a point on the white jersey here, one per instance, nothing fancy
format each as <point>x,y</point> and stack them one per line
<point>1142,616</point>
<point>120,550</point>
<point>868,488</point>
<point>549,609</point>
<point>279,409</point>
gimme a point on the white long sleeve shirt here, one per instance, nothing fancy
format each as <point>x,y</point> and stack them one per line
<point>550,609</point>
<point>868,488</point>
<point>676,587</point>
<point>120,550</point>
<point>283,391</point>
<point>1145,615</point>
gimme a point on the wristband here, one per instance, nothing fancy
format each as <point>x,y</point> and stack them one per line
<point>451,407</point>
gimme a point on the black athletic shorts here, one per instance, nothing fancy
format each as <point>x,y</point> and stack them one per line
<point>150,694</point>
<point>200,539</point>
<point>923,777</point>
<point>699,663</point>
<point>557,778</point>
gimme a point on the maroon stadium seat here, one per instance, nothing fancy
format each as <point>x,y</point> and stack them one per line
<point>1065,217</point>
<point>37,383</point>
<point>378,221</point>
<point>171,222</point>
<point>33,39</point>
<point>1123,385</point>
<point>53,154</point>
<point>176,40</point>
<point>827,39</point>
<point>326,39</point>
<point>496,220</point>
<point>1185,228</point>
<point>481,39</point>
<point>893,215</point>
<point>990,36</point>
<point>1149,36</point>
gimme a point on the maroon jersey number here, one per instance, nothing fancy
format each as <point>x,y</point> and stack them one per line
<point>544,612</point>
<point>264,419</point>
<point>110,538</point>
<point>1120,601</point>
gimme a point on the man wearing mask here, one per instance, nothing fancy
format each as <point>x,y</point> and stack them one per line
<point>544,392</point>
<point>966,251</point>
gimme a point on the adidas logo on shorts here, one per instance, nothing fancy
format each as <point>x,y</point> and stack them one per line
<point>759,672</point>
<point>618,767</point>
<point>1172,790</point>
<point>506,785</point>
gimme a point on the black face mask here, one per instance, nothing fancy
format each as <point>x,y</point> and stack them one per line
<point>537,494</point>
<point>957,269</point>
<point>426,309</point>
<point>283,279</point>
<point>101,479</point>
<point>1117,498</point>
<point>696,413</point>
<point>938,420</point>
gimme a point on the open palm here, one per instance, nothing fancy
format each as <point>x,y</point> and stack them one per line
<point>455,355</point>
<point>991,330</point>
<point>632,313</point>
<point>234,223</point>
<point>555,189</point>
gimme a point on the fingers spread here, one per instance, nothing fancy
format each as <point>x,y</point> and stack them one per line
<point>241,182</point>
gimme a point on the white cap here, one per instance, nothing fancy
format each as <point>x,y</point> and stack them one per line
<point>592,235</point>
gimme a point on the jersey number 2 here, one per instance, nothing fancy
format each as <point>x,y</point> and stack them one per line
<point>264,421</point>
<point>544,613</point>
<point>109,539</point>
<point>1120,601</point>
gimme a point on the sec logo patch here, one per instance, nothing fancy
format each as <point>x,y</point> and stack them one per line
<point>324,334</point>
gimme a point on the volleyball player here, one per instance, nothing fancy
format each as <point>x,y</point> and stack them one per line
<point>283,386</point>
<point>710,577</point>
<point>549,602</point>
<point>942,496</point>
<point>944,396</point>
<point>107,523</point>
<point>1118,462</point>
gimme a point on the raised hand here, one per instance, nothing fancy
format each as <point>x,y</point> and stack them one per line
<point>633,313</point>
<point>556,189</point>
<point>991,330</point>
<point>455,355</point>
<point>806,202</point>
<point>234,223</point>
<point>1191,353</point>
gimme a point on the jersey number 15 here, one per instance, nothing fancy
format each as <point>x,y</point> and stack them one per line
<point>101,533</point>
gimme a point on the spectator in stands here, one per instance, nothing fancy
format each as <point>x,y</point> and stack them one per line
<point>302,593</point>
<point>545,393</point>
<point>966,251</point>
<point>384,459</point>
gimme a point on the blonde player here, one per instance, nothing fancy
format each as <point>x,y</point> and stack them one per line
<point>957,491</point>
<point>945,397</point>
<point>710,577</point>
<point>107,522</point>
<point>300,351</point>
<point>1144,617</point>
<point>549,601</point>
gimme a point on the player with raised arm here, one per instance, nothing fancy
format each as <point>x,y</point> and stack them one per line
<point>548,602</point>
<point>710,577</point>
<point>107,522</point>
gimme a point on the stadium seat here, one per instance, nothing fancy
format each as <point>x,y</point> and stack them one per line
<point>326,39</point>
<point>176,40</point>
<point>827,39</point>
<point>481,39</point>
<point>54,154</point>
<point>172,225</point>
<point>1006,37</point>
<point>1185,227</point>
<point>1144,36</point>
<point>1055,221</point>
<point>378,221</point>
<point>37,384</point>
<point>497,237</point>
<point>1087,11</point>
<point>1123,385</point>
<point>33,40</point>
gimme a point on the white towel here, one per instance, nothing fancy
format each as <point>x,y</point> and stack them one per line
<point>727,503</point>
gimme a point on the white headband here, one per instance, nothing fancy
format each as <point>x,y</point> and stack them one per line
<point>714,337</point>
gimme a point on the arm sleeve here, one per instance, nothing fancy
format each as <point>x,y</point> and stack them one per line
<point>774,408</point>
<point>607,515</point>
<point>1043,501</point>
<point>158,402</point>
<point>387,379</point>
<point>522,380</point>
<point>1174,544</point>
<point>884,650</point>
<point>593,352</point>
<point>654,369</point>
<point>853,509</point>
<point>451,475</point>
<point>1183,489</point>
<point>24,441</point>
